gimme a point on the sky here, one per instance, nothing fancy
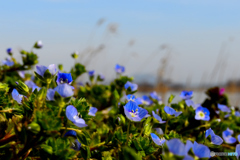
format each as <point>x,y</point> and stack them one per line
<point>199,39</point>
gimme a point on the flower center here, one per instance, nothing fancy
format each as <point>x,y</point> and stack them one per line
<point>63,81</point>
<point>134,113</point>
<point>201,114</point>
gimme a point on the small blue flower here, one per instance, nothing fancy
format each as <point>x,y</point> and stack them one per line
<point>200,150</point>
<point>189,102</point>
<point>214,138</point>
<point>16,96</point>
<point>159,131</point>
<point>32,85</point>
<point>227,136</point>
<point>76,145</point>
<point>130,97</point>
<point>50,94</point>
<point>209,132</point>
<point>91,73</point>
<point>8,62</point>
<point>171,111</point>
<point>154,95</point>
<point>186,94</point>
<point>145,100</point>
<point>101,77</point>
<point>119,69</point>
<point>21,74</point>
<point>64,90</point>
<point>38,44</point>
<point>237,150</point>
<point>202,113</point>
<point>239,138</point>
<point>176,147</point>
<point>64,78</point>
<point>72,115</point>
<point>133,112</point>
<point>157,140</point>
<point>237,113</point>
<point>92,111</point>
<point>158,118</point>
<point>133,86</point>
<point>9,51</point>
<point>224,108</point>
<point>71,133</point>
<point>42,69</point>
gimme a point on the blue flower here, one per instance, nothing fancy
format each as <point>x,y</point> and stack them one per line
<point>227,136</point>
<point>171,111</point>
<point>101,77</point>
<point>72,115</point>
<point>92,111</point>
<point>130,85</point>
<point>8,62</point>
<point>145,100</point>
<point>214,138</point>
<point>200,150</point>
<point>32,85</point>
<point>42,69</point>
<point>9,51</point>
<point>158,118</point>
<point>237,113</point>
<point>119,69</point>
<point>64,78</point>
<point>91,73</point>
<point>209,132</point>
<point>154,95</point>
<point>239,138</point>
<point>238,150</point>
<point>159,131</point>
<point>188,146</point>
<point>133,112</point>
<point>224,108</point>
<point>21,74</point>
<point>130,97</point>
<point>50,94</point>
<point>16,96</point>
<point>157,140</point>
<point>71,133</point>
<point>38,44</point>
<point>186,94</point>
<point>189,102</point>
<point>64,90</point>
<point>76,145</point>
<point>176,147</point>
<point>202,113</point>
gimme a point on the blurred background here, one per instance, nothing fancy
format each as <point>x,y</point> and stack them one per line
<point>167,46</point>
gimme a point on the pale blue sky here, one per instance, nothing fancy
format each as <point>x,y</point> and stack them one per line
<point>195,30</point>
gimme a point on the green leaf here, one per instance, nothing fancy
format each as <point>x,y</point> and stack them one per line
<point>170,98</point>
<point>85,152</point>
<point>47,148</point>
<point>129,153</point>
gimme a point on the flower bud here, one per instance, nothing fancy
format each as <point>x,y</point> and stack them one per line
<point>34,128</point>
<point>22,88</point>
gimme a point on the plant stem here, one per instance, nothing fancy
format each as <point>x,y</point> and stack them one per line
<point>63,128</point>
<point>141,132</point>
<point>128,132</point>
<point>8,139</point>
<point>165,132</point>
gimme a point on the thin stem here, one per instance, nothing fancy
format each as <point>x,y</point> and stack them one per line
<point>165,132</point>
<point>8,139</point>
<point>141,132</point>
<point>63,128</point>
<point>128,132</point>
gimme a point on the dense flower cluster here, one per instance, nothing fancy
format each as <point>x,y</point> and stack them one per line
<point>51,115</point>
